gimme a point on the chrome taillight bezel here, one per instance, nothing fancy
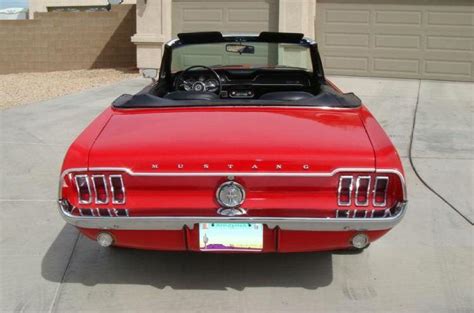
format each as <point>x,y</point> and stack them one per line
<point>366,203</point>
<point>339,190</point>
<point>374,200</point>
<point>79,198</point>
<point>104,181</point>
<point>112,189</point>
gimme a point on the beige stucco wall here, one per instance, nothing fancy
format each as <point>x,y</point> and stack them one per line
<point>58,41</point>
<point>153,31</point>
<point>42,5</point>
<point>154,20</point>
<point>297,16</point>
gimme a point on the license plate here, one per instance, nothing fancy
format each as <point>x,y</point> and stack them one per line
<point>230,237</point>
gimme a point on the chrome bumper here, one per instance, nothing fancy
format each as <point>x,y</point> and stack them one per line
<point>178,222</point>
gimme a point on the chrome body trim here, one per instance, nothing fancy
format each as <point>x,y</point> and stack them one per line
<point>86,177</point>
<point>366,203</point>
<point>237,174</point>
<point>179,222</point>
<point>97,201</point>
<point>229,173</point>
<point>384,203</point>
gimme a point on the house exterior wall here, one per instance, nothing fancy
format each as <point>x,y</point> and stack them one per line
<point>56,41</point>
<point>431,39</point>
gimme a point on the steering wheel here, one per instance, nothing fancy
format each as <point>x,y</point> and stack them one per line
<point>198,85</point>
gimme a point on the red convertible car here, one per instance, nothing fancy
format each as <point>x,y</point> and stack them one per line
<point>241,145</point>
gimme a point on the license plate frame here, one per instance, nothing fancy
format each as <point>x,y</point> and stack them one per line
<point>238,237</point>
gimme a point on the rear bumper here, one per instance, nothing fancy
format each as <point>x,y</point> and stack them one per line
<point>283,223</point>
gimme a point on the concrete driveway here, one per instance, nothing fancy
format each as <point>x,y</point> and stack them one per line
<point>424,265</point>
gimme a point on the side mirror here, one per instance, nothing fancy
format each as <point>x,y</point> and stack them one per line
<point>240,48</point>
<point>151,73</point>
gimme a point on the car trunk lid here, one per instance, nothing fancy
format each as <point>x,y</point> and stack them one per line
<point>233,140</point>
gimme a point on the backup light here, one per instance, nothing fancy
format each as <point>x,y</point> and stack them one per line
<point>105,239</point>
<point>360,241</point>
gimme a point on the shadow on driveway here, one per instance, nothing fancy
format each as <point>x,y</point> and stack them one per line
<point>91,265</point>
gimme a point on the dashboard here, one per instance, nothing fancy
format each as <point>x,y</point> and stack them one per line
<point>246,83</point>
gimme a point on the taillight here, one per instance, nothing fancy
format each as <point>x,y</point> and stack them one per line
<point>83,189</point>
<point>104,188</point>
<point>380,191</point>
<point>344,192</point>
<point>100,189</point>
<point>118,189</point>
<point>368,190</point>
<point>362,191</point>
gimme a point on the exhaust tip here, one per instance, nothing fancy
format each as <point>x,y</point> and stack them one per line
<point>105,239</point>
<point>360,241</point>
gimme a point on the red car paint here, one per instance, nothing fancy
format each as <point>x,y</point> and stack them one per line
<point>238,140</point>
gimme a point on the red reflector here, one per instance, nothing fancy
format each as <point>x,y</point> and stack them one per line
<point>380,191</point>
<point>362,190</point>
<point>118,189</point>
<point>344,191</point>
<point>83,189</point>
<point>100,188</point>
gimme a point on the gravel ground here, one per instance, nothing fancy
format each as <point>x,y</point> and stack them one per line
<point>22,88</point>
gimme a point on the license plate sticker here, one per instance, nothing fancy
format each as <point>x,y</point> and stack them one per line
<point>230,237</point>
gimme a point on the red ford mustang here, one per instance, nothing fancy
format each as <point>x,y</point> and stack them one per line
<point>241,145</point>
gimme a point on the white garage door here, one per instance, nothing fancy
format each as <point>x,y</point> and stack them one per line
<point>241,16</point>
<point>431,39</point>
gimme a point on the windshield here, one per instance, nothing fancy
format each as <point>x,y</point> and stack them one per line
<point>246,54</point>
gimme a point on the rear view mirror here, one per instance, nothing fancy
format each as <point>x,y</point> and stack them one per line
<point>239,48</point>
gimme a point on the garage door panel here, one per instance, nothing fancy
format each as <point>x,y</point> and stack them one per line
<point>346,65</point>
<point>224,16</point>
<point>396,65</point>
<point>346,40</point>
<point>397,41</point>
<point>202,15</point>
<point>450,43</point>
<point>397,17</point>
<point>379,53</point>
<point>431,39</point>
<point>449,18</point>
<point>347,16</point>
<point>242,15</point>
<point>448,68</point>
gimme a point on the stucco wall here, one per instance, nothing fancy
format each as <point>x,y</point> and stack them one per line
<point>69,40</point>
